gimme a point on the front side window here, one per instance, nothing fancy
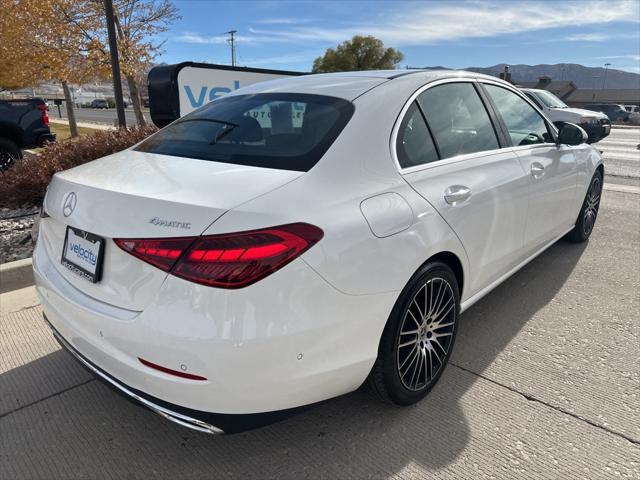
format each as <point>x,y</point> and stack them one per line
<point>272,130</point>
<point>414,144</point>
<point>533,98</point>
<point>523,122</point>
<point>458,119</point>
<point>550,100</point>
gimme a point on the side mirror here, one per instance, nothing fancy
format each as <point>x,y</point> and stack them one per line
<point>572,134</point>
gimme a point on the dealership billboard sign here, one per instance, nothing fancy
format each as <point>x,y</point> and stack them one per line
<point>175,90</point>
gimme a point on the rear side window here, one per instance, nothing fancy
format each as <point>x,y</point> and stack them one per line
<point>273,130</point>
<point>414,144</point>
<point>524,123</point>
<point>458,119</point>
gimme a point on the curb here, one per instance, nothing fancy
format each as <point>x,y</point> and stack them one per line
<point>15,275</point>
<point>94,126</point>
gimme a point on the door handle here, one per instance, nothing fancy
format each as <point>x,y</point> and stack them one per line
<point>537,170</point>
<point>456,194</point>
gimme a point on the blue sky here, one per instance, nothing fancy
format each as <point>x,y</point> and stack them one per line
<point>288,35</point>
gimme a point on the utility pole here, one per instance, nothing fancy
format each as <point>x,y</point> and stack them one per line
<point>606,67</point>
<point>232,41</point>
<point>115,62</point>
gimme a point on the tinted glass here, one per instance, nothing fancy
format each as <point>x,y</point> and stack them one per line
<point>415,145</point>
<point>533,98</point>
<point>272,130</point>
<point>458,120</point>
<point>524,123</point>
<point>550,100</point>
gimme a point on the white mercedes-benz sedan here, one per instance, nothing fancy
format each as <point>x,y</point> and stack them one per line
<point>297,238</point>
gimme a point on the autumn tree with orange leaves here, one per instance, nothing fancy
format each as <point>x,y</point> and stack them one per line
<point>47,40</point>
<point>66,41</point>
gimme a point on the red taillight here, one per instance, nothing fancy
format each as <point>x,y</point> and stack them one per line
<point>45,115</point>
<point>161,252</point>
<point>231,260</point>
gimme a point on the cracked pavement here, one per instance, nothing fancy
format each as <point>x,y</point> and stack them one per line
<point>544,383</point>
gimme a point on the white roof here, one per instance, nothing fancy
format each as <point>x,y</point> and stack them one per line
<point>348,85</point>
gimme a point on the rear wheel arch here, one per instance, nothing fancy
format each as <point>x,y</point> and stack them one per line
<point>453,262</point>
<point>11,133</point>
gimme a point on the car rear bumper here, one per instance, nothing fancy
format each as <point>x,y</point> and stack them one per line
<point>262,351</point>
<point>206,422</point>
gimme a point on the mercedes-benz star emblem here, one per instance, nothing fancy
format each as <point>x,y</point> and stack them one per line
<point>69,204</point>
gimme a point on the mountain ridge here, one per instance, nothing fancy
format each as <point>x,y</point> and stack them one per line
<point>582,76</point>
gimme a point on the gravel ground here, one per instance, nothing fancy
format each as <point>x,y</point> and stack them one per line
<point>15,233</point>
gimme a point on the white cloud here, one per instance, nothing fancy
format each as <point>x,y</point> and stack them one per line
<point>190,37</point>
<point>437,23</point>
<point>588,37</point>
<point>279,60</point>
<point>621,57</point>
<point>431,23</point>
<point>195,38</point>
<point>283,21</point>
<point>600,37</point>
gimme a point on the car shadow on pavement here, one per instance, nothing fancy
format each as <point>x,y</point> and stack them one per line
<point>354,436</point>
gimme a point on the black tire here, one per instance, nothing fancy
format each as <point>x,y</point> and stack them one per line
<point>389,378</point>
<point>10,153</point>
<point>589,212</point>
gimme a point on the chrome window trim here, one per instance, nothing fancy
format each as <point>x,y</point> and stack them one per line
<point>452,160</point>
<point>443,161</point>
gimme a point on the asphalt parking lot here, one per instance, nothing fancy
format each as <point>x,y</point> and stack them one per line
<point>544,384</point>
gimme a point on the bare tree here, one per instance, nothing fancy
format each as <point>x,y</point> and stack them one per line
<point>138,22</point>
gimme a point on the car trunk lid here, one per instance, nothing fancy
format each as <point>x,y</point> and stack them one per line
<point>141,195</point>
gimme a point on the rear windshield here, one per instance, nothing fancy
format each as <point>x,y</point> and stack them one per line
<point>273,130</point>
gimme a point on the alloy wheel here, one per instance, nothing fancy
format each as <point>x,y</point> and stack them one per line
<point>592,205</point>
<point>426,334</point>
<point>6,160</point>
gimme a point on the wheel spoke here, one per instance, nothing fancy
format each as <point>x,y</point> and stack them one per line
<point>407,343</point>
<point>439,326</point>
<point>419,369</point>
<point>409,332</point>
<point>435,341</point>
<point>418,307</point>
<point>415,368</point>
<point>434,301</point>
<point>439,298</point>
<point>425,288</point>
<point>425,360</point>
<point>436,354</point>
<point>440,316</point>
<point>411,354</point>
<point>438,335</point>
<point>419,324</point>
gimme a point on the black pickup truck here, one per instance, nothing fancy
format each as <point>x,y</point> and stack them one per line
<point>23,124</point>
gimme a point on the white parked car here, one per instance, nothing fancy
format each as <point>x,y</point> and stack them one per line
<point>596,124</point>
<point>289,241</point>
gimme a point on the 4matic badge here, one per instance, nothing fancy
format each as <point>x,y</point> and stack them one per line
<point>161,222</point>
